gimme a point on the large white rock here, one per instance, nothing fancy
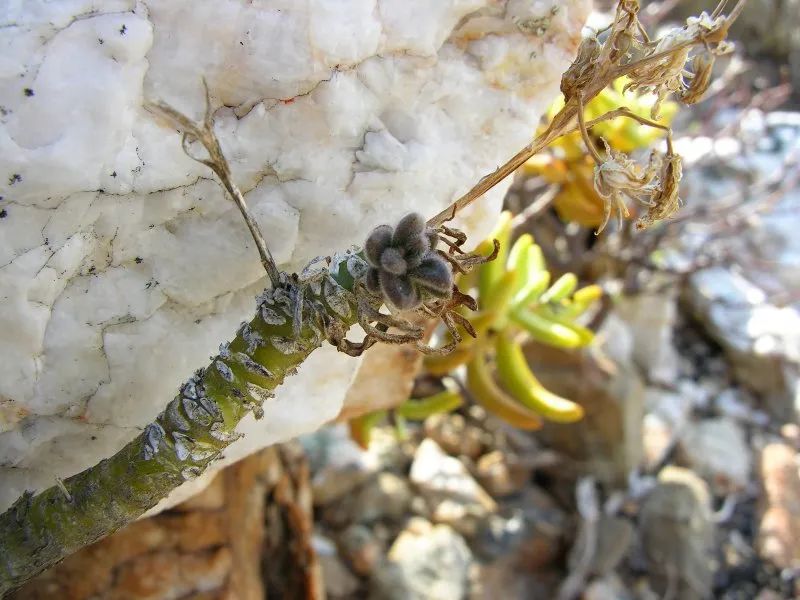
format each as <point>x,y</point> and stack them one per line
<point>123,266</point>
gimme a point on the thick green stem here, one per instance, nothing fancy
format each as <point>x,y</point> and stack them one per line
<point>196,426</point>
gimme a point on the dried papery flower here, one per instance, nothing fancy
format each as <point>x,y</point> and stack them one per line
<point>581,71</point>
<point>619,177</point>
<point>666,201</point>
<point>405,267</point>
<point>699,78</point>
<point>666,75</point>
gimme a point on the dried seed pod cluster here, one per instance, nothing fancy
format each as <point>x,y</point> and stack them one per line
<point>405,268</point>
<point>660,67</point>
<point>668,75</point>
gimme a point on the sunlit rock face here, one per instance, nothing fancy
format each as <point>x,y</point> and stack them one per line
<point>122,264</point>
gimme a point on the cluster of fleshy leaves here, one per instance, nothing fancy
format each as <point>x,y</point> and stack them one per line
<point>405,267</point>
<point>516,302</point>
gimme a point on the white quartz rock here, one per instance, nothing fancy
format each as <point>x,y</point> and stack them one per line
<point>122,264</point>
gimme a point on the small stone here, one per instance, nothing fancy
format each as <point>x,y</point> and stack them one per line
<point>791,433</point>
<point>455,435</point>
<point>360,548</point>
<point>609,587</point>
<point>338,464</point>
<point>503,579</point>
<point>339,581</point>
<point>433,565</point>
<point>530,528</point>
<point>717,450</point>
<point>389,452</point>
<point>671,407</point>
<point>676,532</point>
<point>614,538</point>
<point>656,438</point>
<point>386,496</point>
<point>453,496</point>
<point>779,526</point>
<point>500,474</point>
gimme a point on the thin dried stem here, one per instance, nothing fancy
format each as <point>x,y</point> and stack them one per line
<point>204,133</point>
<point>718,10</point>
<point>624,111</point>
<point>585,132</point>
<point>606,69</point>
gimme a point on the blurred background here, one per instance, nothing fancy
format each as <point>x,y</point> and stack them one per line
<point>677,476</point>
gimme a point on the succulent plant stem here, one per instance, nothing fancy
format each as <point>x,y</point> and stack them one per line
<point>192,431</point>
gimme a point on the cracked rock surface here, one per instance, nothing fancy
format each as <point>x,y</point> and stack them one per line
<point>123,266</point>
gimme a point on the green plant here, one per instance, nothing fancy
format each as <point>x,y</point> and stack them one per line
<point>294,317</point>
<point>516,301</point>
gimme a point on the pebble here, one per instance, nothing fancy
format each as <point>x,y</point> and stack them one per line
<point>360,548</point>
<point>676,532</point>
<point>779,527</point>
<point>452,494</point>
<point>426,562</point>
<point>718,451</point>
<point>500,474</point>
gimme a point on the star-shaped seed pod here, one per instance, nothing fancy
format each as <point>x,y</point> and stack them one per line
<point>405,268</point>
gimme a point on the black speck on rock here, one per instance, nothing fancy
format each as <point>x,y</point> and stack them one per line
<point>28,92</point>
<point>3,213</point>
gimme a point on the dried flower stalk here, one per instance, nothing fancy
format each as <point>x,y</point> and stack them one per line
<point>658,66</point>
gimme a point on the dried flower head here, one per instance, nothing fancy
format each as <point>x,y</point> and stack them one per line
<point>665,202</point>
<point>405,267</point>
<point>619,177</point>
<point>699,78</point>
<point>667,74</point>
<point>582,69</point>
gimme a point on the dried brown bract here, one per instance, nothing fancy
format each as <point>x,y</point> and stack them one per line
<point>619,177</point>
<point>666,201</point>
<point>662,69</point>
<point>699,78</point>
<point>582,69</point>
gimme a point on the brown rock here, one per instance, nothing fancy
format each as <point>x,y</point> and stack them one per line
<point>149,576</point>
<point>455,435</point>
<point>779,527</point>
<point>361,549</point>
<point>500,474</point>
<point>212,498</point>
<point>676,533</point>
<point>384,380</point>
<point>209,547</point>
